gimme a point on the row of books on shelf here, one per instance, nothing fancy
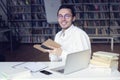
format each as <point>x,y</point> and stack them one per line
<point>42,31</point>
<point>91,7</point>
<point>21,16</point>
<point>97,31</point>
<point>50,31</point>
<point>26,9</point>
<point>101,7</point>
<point>30,31</point>
<point>35,39</point>
<point>40,39</point>
<point>18,10</point>
<point>97,7</point>
<point>86,23</point>
<point>38,16</point>
<point>79,23</point>
<point>85,7</point>
<point>96,15</point>
<point>102,31</point>
<point>24,2</point>
<point>114,7</point>
<point>25,31</point>
<point>114,23</point>
<point>87,15</point>
<point>89,1</point>
<point>32,24</point>
<point>115,31</point>
<point>19,2</point>
<point>37,1</point>
<point>28,16</point>
<point>115,15</point>
<point>100,23</point>
<point>37,35</point>
<point>38,8</point>
<point>21,24</point>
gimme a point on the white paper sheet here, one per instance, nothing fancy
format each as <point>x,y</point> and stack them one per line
<point>32,66</point>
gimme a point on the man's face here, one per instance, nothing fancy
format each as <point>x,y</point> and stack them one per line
<point>65,18</point>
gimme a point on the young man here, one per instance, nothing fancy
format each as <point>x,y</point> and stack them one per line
<point>71,38</point>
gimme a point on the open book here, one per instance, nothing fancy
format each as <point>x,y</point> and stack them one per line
<point>47,45</point>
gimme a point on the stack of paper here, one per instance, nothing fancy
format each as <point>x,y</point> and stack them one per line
<point>31,66</point>
<point>105,59</point>
<point>35,66</point>
<point>14,74</point>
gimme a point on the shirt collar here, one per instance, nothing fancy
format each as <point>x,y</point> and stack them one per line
<point>69,29</point>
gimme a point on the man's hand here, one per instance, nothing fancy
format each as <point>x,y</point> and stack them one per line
<point>56,51</point>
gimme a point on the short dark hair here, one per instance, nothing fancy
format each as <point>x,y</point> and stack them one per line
<point>68,7</point>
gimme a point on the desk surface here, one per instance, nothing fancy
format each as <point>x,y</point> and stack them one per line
<point>87,74</point>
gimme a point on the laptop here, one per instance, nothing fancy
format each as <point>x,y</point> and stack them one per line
<point>75,62</point>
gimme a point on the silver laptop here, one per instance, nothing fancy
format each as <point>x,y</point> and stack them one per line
<point>75,62</point>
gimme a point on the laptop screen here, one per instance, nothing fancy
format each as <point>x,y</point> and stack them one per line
<point>75,62</point>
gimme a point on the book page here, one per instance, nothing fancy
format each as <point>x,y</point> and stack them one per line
<point>46,45</point>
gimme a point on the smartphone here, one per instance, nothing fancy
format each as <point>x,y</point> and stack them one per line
<point>45,47</point>
<point>45,72</point>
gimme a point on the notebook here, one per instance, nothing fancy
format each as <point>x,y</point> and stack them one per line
<point>74,62</point>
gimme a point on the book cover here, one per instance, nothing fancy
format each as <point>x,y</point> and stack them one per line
<point>102,64</point>
<point>47,45</point>
<point>105,54</point>
<point>104,59</point>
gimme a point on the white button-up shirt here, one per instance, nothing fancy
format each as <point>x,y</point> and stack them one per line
<point>72,40</point>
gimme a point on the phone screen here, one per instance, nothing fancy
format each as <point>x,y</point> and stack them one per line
<point>45,72</point>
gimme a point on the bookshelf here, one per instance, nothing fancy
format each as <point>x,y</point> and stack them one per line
<point>99,18</point>
<point>28,18</point>
<point>5,36</point>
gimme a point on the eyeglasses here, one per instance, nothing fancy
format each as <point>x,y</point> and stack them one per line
<point>66,16</point>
